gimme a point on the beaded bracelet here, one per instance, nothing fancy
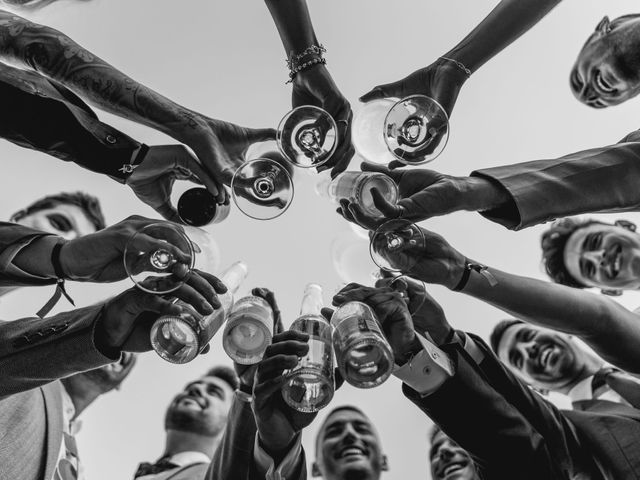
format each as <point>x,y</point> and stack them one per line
<point>298,62</point>
<point>304,66</point>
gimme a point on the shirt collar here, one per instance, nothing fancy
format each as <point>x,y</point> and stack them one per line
<point>182,459</point>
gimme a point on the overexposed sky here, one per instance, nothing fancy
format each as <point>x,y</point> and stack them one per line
<point>225,59</point>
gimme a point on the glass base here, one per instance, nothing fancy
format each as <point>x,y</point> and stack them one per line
<point>307,390</point>
<point>366,364</point>
<point>246,340</point>
<point>174,340</point>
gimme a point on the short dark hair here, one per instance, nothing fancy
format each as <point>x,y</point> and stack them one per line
<point>553,242</point>
<point>498,332</point>
<point>226,374</point>
<point>89,204</point>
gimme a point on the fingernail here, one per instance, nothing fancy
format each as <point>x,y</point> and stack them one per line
<point>207,307</point>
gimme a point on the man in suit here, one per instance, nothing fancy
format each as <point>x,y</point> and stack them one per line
<point>516,433</point>
<point>194,424</point>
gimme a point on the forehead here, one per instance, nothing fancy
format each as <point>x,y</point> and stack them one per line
<point>346,416</point>
<point>206,381</point>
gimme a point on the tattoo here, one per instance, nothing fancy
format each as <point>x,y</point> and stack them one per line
<point>56,56</point>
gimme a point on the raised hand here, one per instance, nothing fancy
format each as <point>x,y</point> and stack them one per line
<point>314,86</point>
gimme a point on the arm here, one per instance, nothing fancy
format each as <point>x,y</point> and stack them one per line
<point>605,325</point>
<point>313,85</point>
<point>220,146</point>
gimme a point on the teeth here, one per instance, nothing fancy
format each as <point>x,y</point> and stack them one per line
<point>352,451</point>
<point>452,468</point>
<point>603,86</point>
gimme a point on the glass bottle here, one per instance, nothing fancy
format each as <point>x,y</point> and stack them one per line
<point>310,385</point>
<point>364,356</point>
<point>179,338</point>
<point>249,330</point>
<point>198,207</point>
<point>356,187</point>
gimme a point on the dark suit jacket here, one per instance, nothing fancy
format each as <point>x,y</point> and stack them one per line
<point>513,432</point>
<point>605,179</point>
<point>43,115</point>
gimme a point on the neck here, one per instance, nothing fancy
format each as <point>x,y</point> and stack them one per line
<point>80,395</point>
<point>591,366</point>
<point>178,441</point>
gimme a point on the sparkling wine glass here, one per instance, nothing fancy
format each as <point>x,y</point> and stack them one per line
<point>395,245</point>
<point>262,189</point>
<point>159,257</point>
<point>413,130</point>
<point>307,136</point>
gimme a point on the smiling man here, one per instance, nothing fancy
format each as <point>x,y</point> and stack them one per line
<point>449,461</point>
<point>607,70</point>
<point>348,447</point>
<point>194,425</point>
<point>590,253</point>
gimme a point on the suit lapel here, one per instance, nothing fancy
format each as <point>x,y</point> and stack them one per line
<point>53,407</point>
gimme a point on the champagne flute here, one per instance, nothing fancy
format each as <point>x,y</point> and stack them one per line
<point>159,257</point>
<point>307,136</point>
<point>262,189</point>
<point>413,130</point>
<point>394,245</point>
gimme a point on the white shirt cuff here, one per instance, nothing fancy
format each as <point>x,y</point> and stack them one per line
<point>427,370</point>
<point>287,466</point>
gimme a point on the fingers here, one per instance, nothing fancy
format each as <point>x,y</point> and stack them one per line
<point>380,91</point>
<point>168,212</point>
<point>255,135</point>
<point>215,187</point>
<point>388,209</point>
<point>203,302</point>
<point>214,281</point>
<point>396,175</point>
<point>327,313</point>
<point>355,214</point>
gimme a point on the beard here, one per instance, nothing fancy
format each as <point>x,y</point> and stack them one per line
<point>193,422</point>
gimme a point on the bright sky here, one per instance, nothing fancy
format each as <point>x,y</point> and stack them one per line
<point>225,60</point>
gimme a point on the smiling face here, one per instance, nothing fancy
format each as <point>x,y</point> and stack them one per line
<point>348,447</point>
<point>449,461</point>
<point>201,408</point>
<point>606,71</point>
<point>604,256</point>
<point>65,220</point>
<point>543,358</point>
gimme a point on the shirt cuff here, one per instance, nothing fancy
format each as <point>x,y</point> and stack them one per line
<point>287,466</point>
<point>427,370</point>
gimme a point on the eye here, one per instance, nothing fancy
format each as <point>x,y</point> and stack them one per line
<point>516,359</point>
<point>59,222</point>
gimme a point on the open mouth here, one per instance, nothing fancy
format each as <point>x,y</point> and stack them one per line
<point>547,357</point>
<point>351,452</point>
<point>193,401</point>
<point>451,469</point>
<point>614,263</point>
<point>602,84</point>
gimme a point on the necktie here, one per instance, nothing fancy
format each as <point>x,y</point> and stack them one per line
<point>146,468</point>
<point>624,384</point>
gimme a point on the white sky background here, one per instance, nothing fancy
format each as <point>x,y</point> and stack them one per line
<point>225,59</point>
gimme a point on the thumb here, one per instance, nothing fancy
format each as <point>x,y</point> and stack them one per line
<point>376,93</point>
<point>388,209</point>
<point>260,134</point>
<point>327,313</point>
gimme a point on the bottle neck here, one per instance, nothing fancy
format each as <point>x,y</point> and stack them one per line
<point>312,300</point>
<point>234,276</point>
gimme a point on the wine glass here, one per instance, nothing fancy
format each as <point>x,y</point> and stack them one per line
<point>307,136</point>
<point>262,189</point>
<point>413,130</point>
<point>159,257</point>
<point>394,245</point>
<point>351,260</point>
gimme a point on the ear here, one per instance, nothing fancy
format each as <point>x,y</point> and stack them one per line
<point>626,224</point>
<point>384,466</point>
<point>315,471</point>
<point>604,26</point>
<point>611,293</point>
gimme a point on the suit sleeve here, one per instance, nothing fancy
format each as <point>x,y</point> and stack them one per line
<point>510,433</point>
<point>34,351</point>
<point>49,118</point>
<point>605,179</point>
<point>13,238</point>
<point>235,452</point>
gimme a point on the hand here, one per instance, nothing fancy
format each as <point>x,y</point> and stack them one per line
<point>221,147</point>
<point>126,320</point>
<point>442,81</point>
<point>246,373</point>
<point>427,314</point>
<point>277,422</point>
<point>314,86</point>
<point>426,193</point>
<point>392,312</point>
<point>152,180</point>
<point>97,257</point>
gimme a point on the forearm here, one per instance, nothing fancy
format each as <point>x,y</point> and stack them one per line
<point>610,329</point>
<point>58,57</point>
<point>506,22</point>
<point>294,24</point>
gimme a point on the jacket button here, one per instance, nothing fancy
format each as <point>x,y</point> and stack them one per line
<point>111,139</point>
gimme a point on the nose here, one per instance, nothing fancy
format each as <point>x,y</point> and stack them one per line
<point>446,452</point>
<point>594,256</point>
<point>196,388</point>
<point>529,350</point>
<point>349,434</point>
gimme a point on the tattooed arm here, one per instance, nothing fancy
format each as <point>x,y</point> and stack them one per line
<point>220,146</point>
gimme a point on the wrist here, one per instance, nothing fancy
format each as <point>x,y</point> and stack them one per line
<point>482,194</point>
<point>411,349</point>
